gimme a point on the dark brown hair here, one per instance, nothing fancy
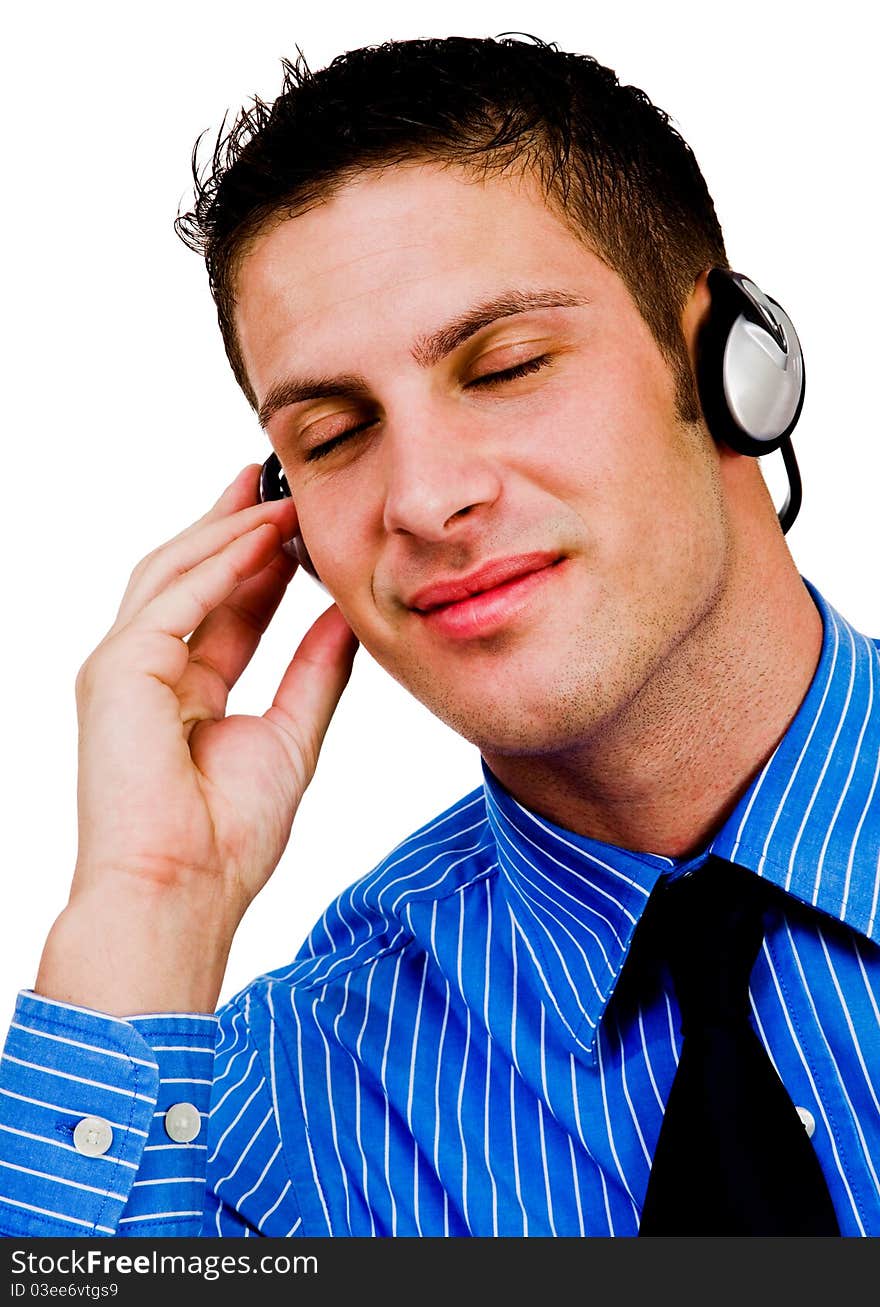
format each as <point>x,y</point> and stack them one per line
<point>609,161</point>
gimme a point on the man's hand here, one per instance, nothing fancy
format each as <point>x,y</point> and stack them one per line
<point>184,813</point>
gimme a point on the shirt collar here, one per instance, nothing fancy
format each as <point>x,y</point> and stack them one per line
<point>809,822</point>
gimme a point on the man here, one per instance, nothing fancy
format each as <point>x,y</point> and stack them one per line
<point>465,285</point>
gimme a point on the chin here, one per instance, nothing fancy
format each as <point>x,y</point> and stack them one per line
<point>540,698</point>
<point>508,727</point>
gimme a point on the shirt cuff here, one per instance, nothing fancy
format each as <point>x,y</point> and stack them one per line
<point>102,1121</point>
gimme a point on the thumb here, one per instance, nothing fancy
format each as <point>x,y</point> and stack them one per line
<point>313,684</point>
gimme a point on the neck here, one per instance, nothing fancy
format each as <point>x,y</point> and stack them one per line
<point>665,773</point>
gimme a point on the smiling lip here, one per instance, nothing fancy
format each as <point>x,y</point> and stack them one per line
<point>475,605</point>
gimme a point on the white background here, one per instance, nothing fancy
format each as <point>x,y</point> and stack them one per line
<point>122,421</point>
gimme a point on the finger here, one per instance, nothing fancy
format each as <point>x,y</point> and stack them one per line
<point>192,547</point>
<point>180,608</point>
<point>313,684</point>
<point>223,644</point>
<point>242,490</point>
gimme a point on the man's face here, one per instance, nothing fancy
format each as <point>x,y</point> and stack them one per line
<point>481,439</point>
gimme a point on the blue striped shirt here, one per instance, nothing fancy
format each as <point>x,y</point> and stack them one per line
<point>458,1049</point>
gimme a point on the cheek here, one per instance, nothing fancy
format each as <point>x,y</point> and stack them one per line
<point>616,454</point>
<point>328,533</point>
<point>586,448</point>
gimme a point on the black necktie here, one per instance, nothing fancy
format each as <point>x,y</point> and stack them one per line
<point>733,1157</point>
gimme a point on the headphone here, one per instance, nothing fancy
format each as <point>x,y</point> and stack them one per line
<point>750,380</point>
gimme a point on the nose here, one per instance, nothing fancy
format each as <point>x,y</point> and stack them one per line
<point>437,474</point>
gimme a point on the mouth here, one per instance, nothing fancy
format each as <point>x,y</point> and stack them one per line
<point>488,599</point>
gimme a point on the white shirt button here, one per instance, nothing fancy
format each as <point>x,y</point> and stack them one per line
<point>182,1123</point>
<point>808,1119</point>
<point>93,1136</point>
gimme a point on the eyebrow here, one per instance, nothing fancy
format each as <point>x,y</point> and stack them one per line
<point>427,350</point>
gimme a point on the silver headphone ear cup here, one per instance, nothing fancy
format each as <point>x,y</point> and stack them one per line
<point>749,366</point>
<point>763,384</point>
<point>749,370</point>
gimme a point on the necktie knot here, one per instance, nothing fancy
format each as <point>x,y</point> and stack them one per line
<point>711,923</point>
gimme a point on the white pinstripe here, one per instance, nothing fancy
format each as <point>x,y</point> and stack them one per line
<point>365,1181</point>
<point>59,1216</point>
<point>277,1203</point>
<point>383,1078</point>
<point>338,1019</point>
<point>151,1064</point>
<point>515,1070</point>
<point>79,1080</point>
<point>59,1179</point>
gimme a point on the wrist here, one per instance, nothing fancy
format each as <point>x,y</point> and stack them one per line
<point>131,956</point>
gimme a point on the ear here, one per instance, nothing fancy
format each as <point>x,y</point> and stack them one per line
<point>695,313</point>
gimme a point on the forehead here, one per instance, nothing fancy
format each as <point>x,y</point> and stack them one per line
<point>392,253</point>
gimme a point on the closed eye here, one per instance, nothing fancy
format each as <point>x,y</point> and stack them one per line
<point>490,379</point>
<point>510,374</point>
<point>328,446</point>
